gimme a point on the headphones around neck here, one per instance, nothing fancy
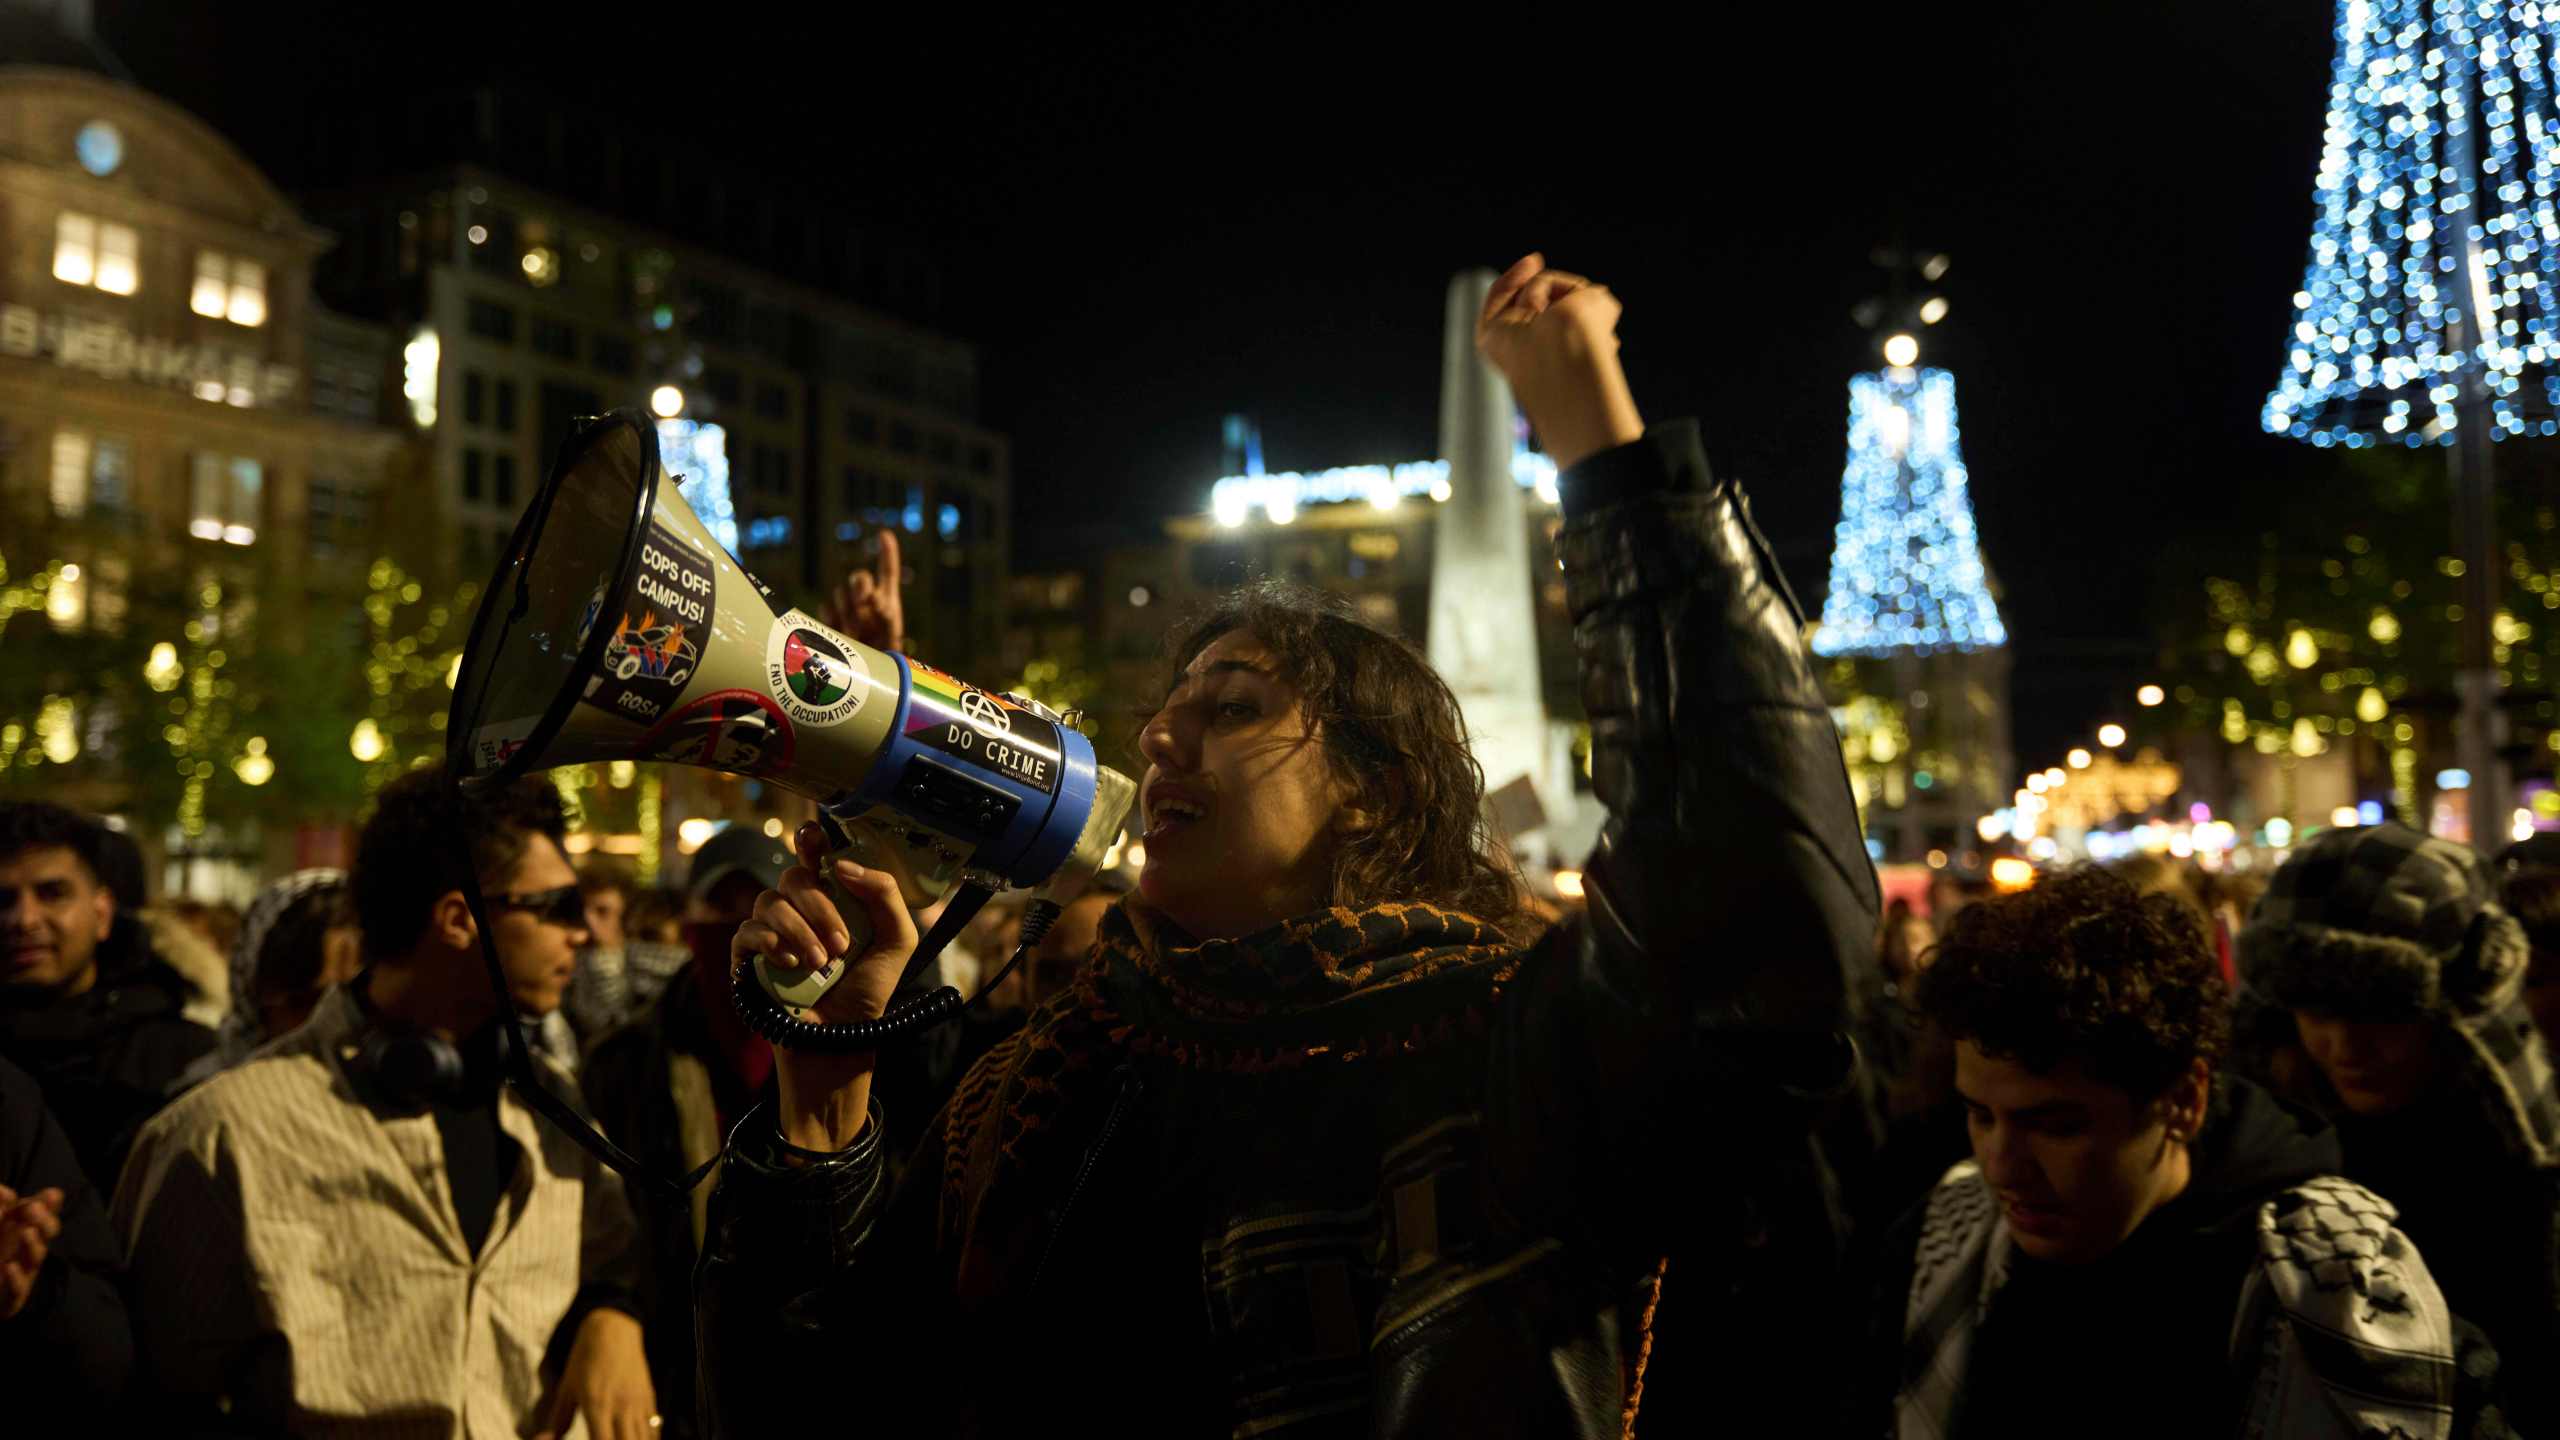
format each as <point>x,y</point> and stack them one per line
<point>398,1069</point>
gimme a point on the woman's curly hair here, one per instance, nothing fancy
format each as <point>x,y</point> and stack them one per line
<point>1392,727</point>
<point>2083,964</point>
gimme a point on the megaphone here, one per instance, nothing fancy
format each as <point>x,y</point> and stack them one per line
<point>618,628</point>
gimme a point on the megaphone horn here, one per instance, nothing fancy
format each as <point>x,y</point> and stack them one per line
<point>617,628</point>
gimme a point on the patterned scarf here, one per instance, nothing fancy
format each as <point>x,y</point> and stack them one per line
<point>2329,1265</point>
<point>1332,988</point>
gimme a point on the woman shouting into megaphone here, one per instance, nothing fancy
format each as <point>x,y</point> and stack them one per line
<point>1327,1137</point>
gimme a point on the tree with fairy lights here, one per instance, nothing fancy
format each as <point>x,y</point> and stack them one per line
<point>197,698</point>
<point>1909,616</point>
<point>2427,314</point>
<point>153,695</point>
<point>412,651</point>
<point>2337,630</point>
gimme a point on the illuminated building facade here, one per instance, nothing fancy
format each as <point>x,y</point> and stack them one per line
<point>177,414</point>
<point>519,310</point>
<point>803,423</point>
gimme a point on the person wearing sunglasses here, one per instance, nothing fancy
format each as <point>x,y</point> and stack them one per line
<point>360,1229</point>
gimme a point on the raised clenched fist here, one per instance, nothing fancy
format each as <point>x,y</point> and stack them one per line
<point>1554,336</point>
<point>867,604</point>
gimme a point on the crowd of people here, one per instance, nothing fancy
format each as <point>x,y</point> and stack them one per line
<point>324,1207</point>
<point>1317,1124</point>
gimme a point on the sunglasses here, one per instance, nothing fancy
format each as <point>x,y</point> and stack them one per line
<point>564,906</point>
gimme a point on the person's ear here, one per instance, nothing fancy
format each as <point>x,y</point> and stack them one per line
<point>450,923</point>
<point>342,955</point>
<point>1357,809</point>
<point>2187,1102</point>
<point>103,907</point>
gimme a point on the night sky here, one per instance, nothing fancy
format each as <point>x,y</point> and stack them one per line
<point>1149,225</point>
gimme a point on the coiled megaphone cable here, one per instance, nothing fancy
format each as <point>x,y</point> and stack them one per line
<point>766,1017</point>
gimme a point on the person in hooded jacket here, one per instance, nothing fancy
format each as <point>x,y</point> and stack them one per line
<point>1330,1135</point>
<point>2384,986</point>
<point>297,940</point>
<point>85,1005</point>
<point>2140,1246</point>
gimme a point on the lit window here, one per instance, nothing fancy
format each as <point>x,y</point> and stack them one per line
<point>248,293</point>
<point>226,493</point>
<point>111,474</point>
<point>90,473</point>
<point>75,249</point>
<point>213,286</point>
<point>228,288</point>
<point>87,251</point>
<point>119,259</point>
<point>70,472</point>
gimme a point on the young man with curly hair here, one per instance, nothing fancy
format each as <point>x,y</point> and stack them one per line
<point>2140,1245</point>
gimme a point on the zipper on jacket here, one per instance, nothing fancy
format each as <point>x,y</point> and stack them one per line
<point>1130,1087</point>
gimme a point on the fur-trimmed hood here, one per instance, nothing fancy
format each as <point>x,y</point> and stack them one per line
<point>2360,975</point>
<point>204,968</point>
<point>2382,923</point>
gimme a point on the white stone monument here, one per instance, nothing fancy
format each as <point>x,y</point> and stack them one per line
<point>1484,631</point>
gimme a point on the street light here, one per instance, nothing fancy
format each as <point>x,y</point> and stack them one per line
<point>2110,735</point>
<point>1901,350</point>
<point>366,743</point>
<point>2150,695</point>
<point>666,402</point>
<point>2079,759</point>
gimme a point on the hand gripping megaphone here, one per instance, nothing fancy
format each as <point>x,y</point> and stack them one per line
<point>617,628</point>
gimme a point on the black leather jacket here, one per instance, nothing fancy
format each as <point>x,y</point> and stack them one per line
<point>1670,1037</point>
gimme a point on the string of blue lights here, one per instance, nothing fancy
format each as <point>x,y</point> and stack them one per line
<point>1906,566</point>
<point>2436,231</point>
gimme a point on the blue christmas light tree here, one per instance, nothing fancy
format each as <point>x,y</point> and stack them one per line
<point>2428,303</point>
<point>2427,314</point>
<point>1906,568</point>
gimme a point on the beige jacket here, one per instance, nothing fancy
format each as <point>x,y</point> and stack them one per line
<point>294,1253</point>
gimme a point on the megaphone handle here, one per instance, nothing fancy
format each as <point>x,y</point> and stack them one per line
<point>758,1007</point>
<point>802,989</point>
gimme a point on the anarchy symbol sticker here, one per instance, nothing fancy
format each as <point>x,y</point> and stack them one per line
<point>981,710</point>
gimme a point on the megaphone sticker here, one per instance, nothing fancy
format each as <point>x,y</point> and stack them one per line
<point>735,730</point>
<point>496,744</point>
<point>958,718</point>
<point>815,677</point>
<point>656,641</point>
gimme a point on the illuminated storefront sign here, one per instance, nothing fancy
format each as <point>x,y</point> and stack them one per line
<point>111,352</point>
